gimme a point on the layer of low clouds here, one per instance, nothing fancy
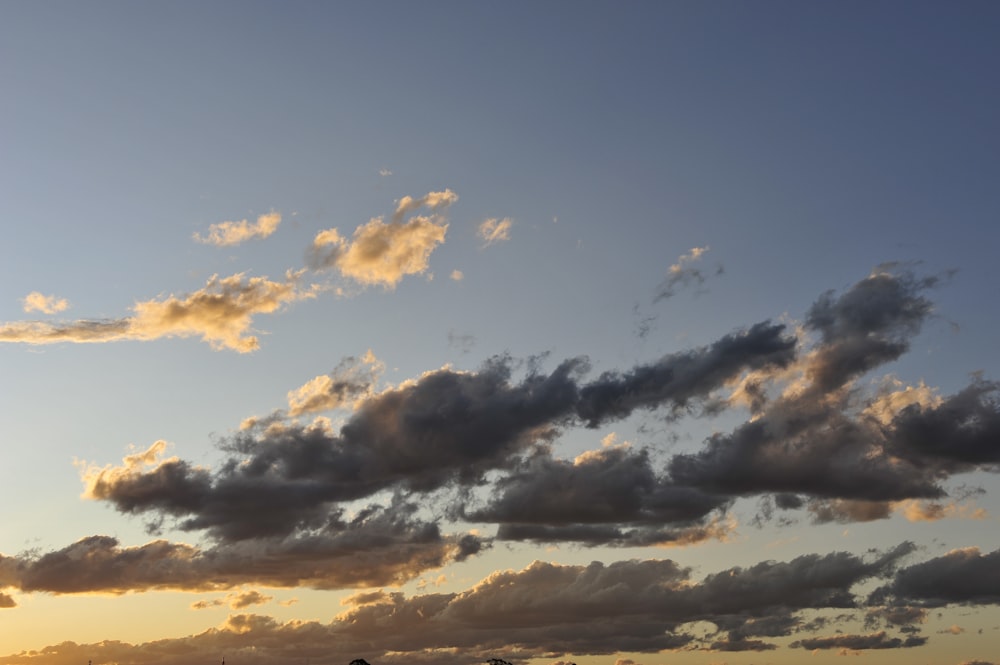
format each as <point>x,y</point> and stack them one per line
<point>312,504</point>
<point>380,546</point>
<point>224,234</point>
<point>552,609</point>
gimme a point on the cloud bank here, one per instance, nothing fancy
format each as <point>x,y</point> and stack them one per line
<point>298,503</point>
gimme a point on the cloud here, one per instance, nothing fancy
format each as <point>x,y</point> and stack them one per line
<point>207,604</point>
<point>869,325</point>
<point>353,379</point>
<point>221,314</point>
<point>38,302</point>
<point>294,504</point>
<point>610,496</point>
<point>384,172</point>
<point>683,274</point>
<point>895,616</point>
<point>461,341</point>
<point>457,275</point>
<point>828,447</point>
<point>7,601</point>
<point>545,609</point>
<point>246,599</point>
<point>682,378</point>
<point>381,253</point>
<point>445,428</point>
<point>380,546</point>
<point>224,234</point>
<point>431,200</point>
<point>860,642</point>
<point>495,230</point>
<point>963,577</point>
<point>826,438</point>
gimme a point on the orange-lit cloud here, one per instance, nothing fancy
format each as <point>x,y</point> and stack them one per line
<point>931,511</point>
<point>233,233</point>
<point>495,230</point>
<point>221,314</point>
<point>246,599</point>
<point>431,200</point>
<point>38,302</point>
<point>382,253</point>
<point>350,381</point>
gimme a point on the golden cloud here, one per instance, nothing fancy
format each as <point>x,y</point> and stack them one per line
<point>38,302</point>
<point>221,314</point>
<point>233,233</point>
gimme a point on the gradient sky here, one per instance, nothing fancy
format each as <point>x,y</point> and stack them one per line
<point>605,333</point>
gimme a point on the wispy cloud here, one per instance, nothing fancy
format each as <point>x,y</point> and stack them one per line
<point>224,234</point>
<point>38,302</point>
<point>221,313</point>
<point>495,230</point>
<point>684,274</point>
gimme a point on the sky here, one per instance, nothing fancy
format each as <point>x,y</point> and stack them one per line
<point>637,333</point>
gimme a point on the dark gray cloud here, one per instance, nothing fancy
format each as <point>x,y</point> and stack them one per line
<point>545,610</point>
<point>860,642</point>
<point>895,616</point>
<point>960,433</point>
<point>799,447</point>
<point>446,427</point>
<point>829,441</point>
<point>380,546</point>
<point>678,379</point>
<point>843,453</point>
<point>965,577</point>
<point>610,496</point>
<point>867,326</point>
<point>742,644</point>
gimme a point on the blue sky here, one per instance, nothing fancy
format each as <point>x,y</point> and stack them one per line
<point>622,299</point>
